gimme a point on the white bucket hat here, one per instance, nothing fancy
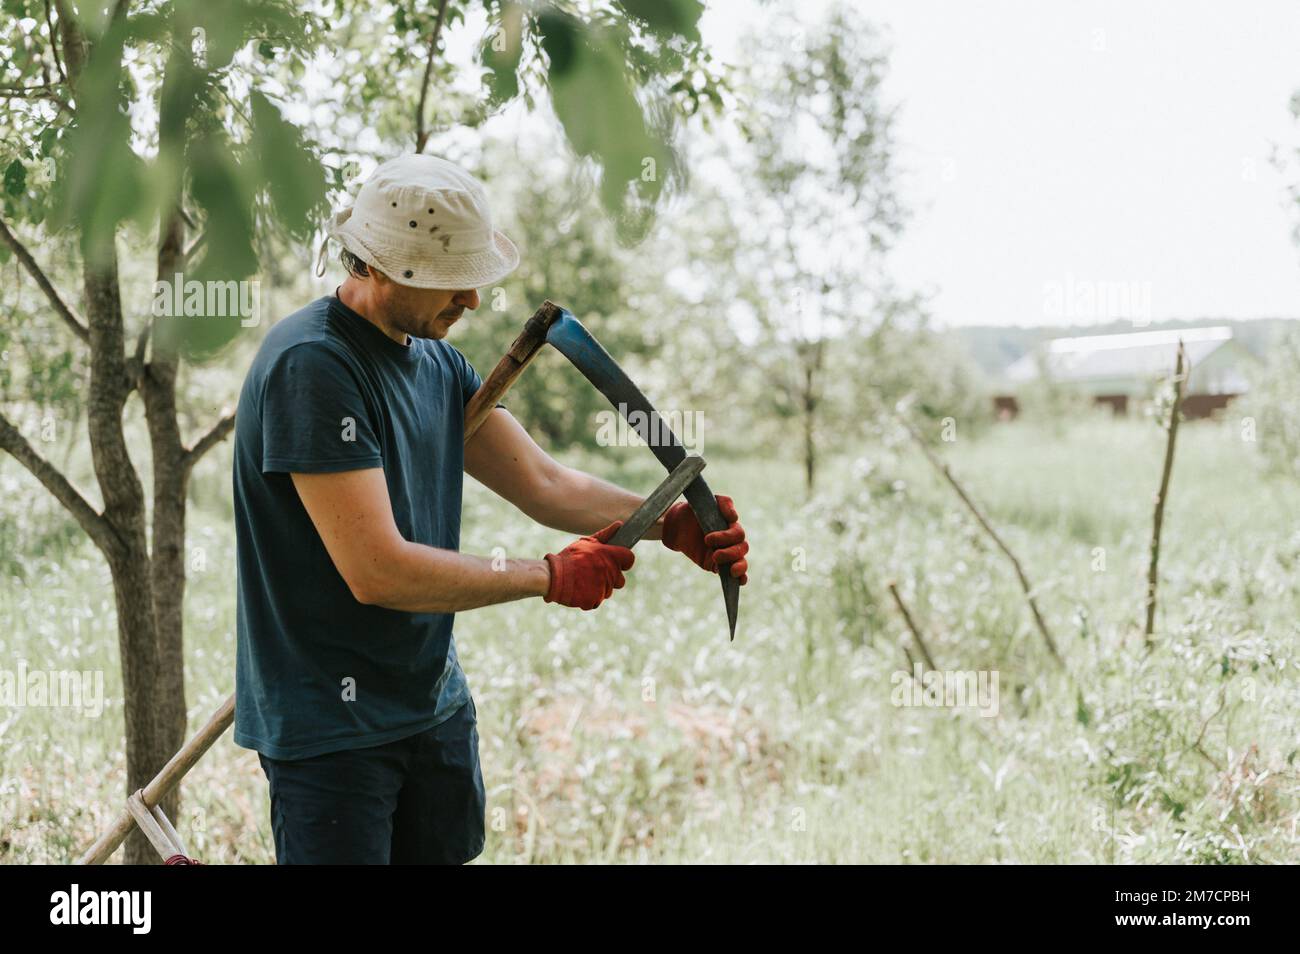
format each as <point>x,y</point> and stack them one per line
<point>424,222</point>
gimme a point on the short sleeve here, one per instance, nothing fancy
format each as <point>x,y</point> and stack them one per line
<point>469,378</point>
<point>470,381</point>
<point>314,417</point>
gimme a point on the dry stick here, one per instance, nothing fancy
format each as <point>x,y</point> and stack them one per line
<point>522,351</point>
<point>421,131</point>
<point>911,663</point>
<point>1200,738</point>
<point>1180,379</point>
<point>911,626</point>
<point>1020,573</point>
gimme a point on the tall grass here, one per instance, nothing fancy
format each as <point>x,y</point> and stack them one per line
<point>638,733</point>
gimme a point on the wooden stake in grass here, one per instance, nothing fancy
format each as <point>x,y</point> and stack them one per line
<point>911,628</point>
<point>993,534</point>
<point>1180,379</point>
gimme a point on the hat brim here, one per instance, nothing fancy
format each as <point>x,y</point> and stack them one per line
<point>446,272</point>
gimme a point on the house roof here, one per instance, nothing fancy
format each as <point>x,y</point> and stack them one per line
<point>1139,356</point>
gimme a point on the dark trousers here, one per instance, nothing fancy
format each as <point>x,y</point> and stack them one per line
<point>418,800</point>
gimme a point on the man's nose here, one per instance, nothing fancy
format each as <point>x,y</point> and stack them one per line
<point>467,299</point>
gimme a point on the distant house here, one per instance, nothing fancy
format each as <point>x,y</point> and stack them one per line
<point>1119,370</point>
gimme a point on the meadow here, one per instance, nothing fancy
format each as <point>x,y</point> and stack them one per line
<point>638,733</point>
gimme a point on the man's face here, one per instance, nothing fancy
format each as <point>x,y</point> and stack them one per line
<point>420,312</point>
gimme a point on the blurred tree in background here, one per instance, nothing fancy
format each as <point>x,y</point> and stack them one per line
<point>1274,400</point>
<point>812,232</point>
<point>820,151</point>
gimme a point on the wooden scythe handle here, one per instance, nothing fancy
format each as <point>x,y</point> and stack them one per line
<point>511,365</point>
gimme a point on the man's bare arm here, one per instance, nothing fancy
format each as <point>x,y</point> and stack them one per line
<point>354,517</point>
<point>504,458</point>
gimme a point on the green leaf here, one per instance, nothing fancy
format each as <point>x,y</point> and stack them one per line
<point>15,178</point>
<point>666,18</point>
<point>603,120</point>
<point>295,179</point>
<point>559,33</point>
<point>102,181</point>
<point>224,188</point>
<point>501,52</point>
<point>1081,713</point>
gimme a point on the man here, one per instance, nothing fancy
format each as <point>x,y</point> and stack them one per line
<point>349,455</point>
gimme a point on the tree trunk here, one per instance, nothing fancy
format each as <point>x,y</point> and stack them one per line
<point>148,589</point>
<point>148,745</point>
<point>168,562</point>
<point>809,451</point>
<point>812,361</point>
<point>170,478</point>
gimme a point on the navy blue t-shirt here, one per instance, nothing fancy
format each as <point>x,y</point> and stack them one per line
<point>316,670</point>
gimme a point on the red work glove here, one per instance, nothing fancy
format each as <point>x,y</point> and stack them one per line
<point>588,570</point>
<point>682,532</point>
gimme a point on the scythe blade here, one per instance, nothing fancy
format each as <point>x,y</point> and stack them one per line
<point>576,343</point>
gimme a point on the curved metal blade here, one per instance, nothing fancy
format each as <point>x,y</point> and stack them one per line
<point>576,343</point>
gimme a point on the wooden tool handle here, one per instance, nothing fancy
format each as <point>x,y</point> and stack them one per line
<point>511,365</point>
<point>162,783</point>
<point>660,499</point>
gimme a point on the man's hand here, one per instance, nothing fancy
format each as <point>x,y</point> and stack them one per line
<point>587,572</point>
<point>682,532</point>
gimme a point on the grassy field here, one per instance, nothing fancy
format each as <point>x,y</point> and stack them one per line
<point>638,733</point>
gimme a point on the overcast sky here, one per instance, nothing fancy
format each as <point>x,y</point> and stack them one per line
<point>1070,162</point>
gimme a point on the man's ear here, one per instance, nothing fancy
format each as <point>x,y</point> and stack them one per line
<point>379,277</point>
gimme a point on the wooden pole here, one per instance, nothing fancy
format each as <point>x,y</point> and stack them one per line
<point>1158,519</point>
<point>911,627</point>
<point>163,782</point>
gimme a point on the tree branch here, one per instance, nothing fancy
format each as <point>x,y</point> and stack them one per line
<point>911,625</point>
<point>141,343</point>
<point>1181,373</point>
<point>75,47</point>
<point>942,468</point>
<point>54,41</point>
<point>41,88</point>
<point>91,520</point>
<point>64,310</point>
<point>215,435</point>
<point>421,133</point>
<point>195,244</point>
<point>43,91</point>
